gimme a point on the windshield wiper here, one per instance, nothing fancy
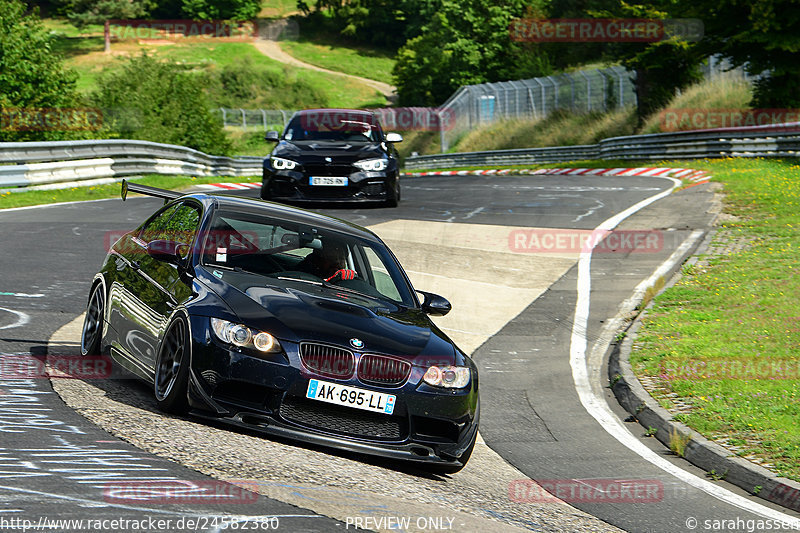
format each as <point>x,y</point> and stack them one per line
<point>329,285</point>
<point>312,282</point>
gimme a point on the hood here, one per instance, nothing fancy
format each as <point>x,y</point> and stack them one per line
<point>296,311</point>
<point>315,152</point>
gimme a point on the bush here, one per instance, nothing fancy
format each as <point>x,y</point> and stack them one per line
<point>31,76</point>
<point>161,102</point>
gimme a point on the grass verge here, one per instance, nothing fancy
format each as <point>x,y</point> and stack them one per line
<point>725,340</point>
<point>112,190</point>
<point>333,55</point>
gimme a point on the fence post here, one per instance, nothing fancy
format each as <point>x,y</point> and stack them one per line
<point>571,92</point>
<point>244,119</point>
<point>544,97</point>
<point>555,91</point>
<point>264,116</point>
<point>224,122</point>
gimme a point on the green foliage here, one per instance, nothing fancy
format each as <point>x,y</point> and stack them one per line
<point>159,101</point>
<point>31,76</point>
<point>762,36</point>
<point>245,83</point>
<point>81,13</point>
<point>221,9</point>
<point>464,42</point>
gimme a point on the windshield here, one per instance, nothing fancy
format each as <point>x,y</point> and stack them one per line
<point>339,126</point>
<point>289,252</point>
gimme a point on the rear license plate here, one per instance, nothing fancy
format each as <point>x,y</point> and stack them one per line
<point>368,400</point>
<point>337,181</point>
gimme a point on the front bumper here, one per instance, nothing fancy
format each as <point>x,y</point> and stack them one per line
<point>293,186</point>
<point>428,425</point>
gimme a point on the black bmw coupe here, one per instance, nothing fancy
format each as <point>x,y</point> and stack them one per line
<point>332,155</point>
<point>285,321</point>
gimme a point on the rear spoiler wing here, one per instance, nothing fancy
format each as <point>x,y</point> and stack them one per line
<point>149,191</point>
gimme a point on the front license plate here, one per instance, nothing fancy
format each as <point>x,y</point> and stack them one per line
<point>338,181</point>
<point>368,400</point>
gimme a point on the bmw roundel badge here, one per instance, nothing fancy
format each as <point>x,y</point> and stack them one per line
<point>357,343</point>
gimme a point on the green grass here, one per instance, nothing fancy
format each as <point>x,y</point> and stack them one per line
<point>83,52</point>
<point>337,91</point>
<point>112,190</point>
<point>333,55</point>
<point>737,309</point>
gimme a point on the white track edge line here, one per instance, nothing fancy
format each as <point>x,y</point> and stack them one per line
<point>601,412</point>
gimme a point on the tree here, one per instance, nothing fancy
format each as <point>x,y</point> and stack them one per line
<point>661,68</point>
<point>762,36</point>
<point>464,42</point>
<point>221,9</point>
<point>32,76</point>
<point>161,102</point>
<point>85,12</point>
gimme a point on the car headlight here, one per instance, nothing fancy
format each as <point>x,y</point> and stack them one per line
<point>372,165</point>
<point>451,377</point>
<point>278,163</point>
<point>244,337</point>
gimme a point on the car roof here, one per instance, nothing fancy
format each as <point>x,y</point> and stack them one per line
<point>335,110</point>
<point>282,211</point>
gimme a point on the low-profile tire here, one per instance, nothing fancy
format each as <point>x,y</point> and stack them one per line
<point>172,369</point>
<point>394,199</point>
<point>265,191</point>
<point>92,333</point>
<point>453,468</point>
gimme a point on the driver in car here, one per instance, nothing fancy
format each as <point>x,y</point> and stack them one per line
<point>328,262</point>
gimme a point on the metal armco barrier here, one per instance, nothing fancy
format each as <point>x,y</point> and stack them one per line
<point>781,140</point>
<point>39,163</point>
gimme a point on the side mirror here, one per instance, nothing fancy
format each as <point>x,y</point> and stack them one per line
<point>394,138</point>
<point>433,304</point>
<point>272,136</point>
<point>167,251</point>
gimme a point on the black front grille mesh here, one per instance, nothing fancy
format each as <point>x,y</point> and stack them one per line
<point>383,370</point>
<point>343,420</point>
<point>327,360</point>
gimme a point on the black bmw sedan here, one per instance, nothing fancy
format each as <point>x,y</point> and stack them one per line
<point>284,321</point>
<point>332,155</point>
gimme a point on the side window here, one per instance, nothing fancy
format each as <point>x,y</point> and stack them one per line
<point>178,223</point>
<point>383,281</point>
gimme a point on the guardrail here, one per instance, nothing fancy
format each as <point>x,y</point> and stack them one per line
<point>780,140</point>
<point>37,163</point>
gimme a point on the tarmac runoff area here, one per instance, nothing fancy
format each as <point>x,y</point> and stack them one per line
<point>488,285</point>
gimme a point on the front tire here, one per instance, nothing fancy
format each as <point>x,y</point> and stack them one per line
<point>394,199</point>
<point>92,333</point>
<point>172,369</point>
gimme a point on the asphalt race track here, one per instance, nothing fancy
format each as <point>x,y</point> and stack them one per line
<point>472,239</point>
